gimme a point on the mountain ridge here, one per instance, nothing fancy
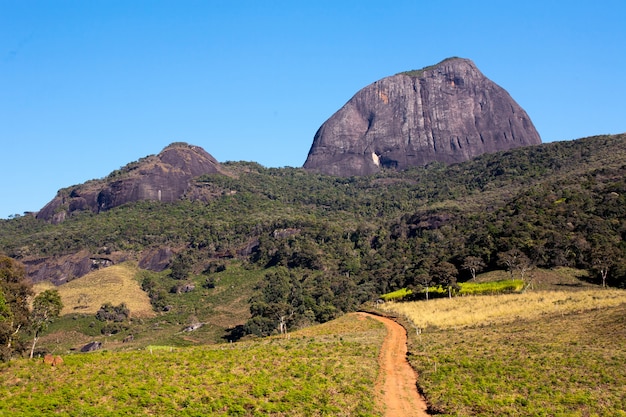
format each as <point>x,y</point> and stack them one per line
<point>162,177</point>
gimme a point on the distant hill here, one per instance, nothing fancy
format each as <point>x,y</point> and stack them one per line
<point>311,246</point>
<point>116,284</point>
<point>163,177</point>
<point>449,112</point>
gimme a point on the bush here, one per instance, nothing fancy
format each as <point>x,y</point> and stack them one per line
<point>209,282</point>
<point>109,312</point>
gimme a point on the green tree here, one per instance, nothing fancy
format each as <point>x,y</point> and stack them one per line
<point>113,317</point>
<point>181,265</point>
<point>515,260</point>
<point>46,307</point>
<point>14,310</point>
<point>6,318</point>
<point>603,259</point>
<point>423,280</point>
<point>275,306</point>
<point>473,264</point>
<point>445,273</point>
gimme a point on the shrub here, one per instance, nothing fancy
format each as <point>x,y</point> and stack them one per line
<point>109,312</point>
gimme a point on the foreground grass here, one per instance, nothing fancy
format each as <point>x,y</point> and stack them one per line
<point>323,371</point>
<point>558,354</point>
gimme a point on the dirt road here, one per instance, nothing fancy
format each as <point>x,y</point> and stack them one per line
<point>397,380</point>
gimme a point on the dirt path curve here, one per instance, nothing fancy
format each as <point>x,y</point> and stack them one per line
<point>397,380</point>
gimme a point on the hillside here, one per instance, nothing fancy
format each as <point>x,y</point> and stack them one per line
<point>540,353</point>
<point>163,177</point>
<point>555,361</point>
<point>117,283</point>
<point>329,370</point>
<point>312,247</point>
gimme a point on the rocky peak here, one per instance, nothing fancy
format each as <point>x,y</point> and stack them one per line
<point>449,112</point>
<point>163,177</point>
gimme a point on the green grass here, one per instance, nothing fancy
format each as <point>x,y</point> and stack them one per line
<point>396,295</point>
<point>570,365</point>
<point>219,309</point>
<point>465,288</point>
<point>494,287</point>
<point>542,353</point>
<point>329,370</point>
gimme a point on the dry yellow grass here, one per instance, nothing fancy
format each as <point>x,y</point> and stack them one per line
<point>483,310</point>
<point>115,284</point>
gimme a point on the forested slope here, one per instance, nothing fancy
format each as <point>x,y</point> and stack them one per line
<point>337,242</point>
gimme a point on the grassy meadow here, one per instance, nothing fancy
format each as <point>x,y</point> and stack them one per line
<point>505,308</point>
<point>219,308</point>
<point>326,370</point>
<point>117,284</point>
<point>556,350</point>
<point>541,353</point>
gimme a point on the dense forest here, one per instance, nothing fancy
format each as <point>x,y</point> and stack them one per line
<point>331,243</point>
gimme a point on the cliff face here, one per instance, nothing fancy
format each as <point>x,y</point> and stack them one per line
<point>449,112</point>
<point>163,177</point>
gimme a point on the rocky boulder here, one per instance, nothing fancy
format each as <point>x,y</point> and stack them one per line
<point>449,112</point>
<point>163,177</point>
<point>91,347</point>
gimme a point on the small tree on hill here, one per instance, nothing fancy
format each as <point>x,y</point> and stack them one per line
<point>473,264</point>
<point>181,265</point>
<point>423,280</point>
<point>515,260</point>
<point>604,258</point>
<point>46,307</point>
<point>109,312</point>
<point>446,274</point>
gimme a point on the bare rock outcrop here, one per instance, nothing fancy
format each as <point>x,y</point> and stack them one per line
<point>163,177</point>
<point>91,347</point>
<point>449,112</point>
<point>64,268</point>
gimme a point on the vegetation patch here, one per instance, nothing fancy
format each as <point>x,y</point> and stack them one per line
<point>494,287</point>
<point>396,295</point>
<point>115,284</point>
<point>348,240</point>
<point>506,308</point>
<point>532,354</point>
<point>463,288</point>
<point>317,372</point>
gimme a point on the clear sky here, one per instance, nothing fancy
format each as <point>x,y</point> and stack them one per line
<point>88,86</point>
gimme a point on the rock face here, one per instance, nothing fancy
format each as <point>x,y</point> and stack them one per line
<point>91,347</point>
<point>449,112</point>
<point>164,177</point>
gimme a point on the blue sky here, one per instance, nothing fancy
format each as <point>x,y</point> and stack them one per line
<point>88,86</point>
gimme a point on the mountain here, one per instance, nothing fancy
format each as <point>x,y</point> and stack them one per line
<point>449,112</point>
<point>163,177</point>
<point>288,244</point>
<point>299,219</point>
